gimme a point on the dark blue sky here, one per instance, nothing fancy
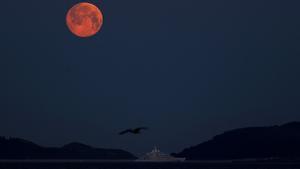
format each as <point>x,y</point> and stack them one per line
<point>187,69</point>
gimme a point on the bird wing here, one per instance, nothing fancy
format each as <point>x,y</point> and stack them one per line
<point>125,131</point>
<point>142,128</point>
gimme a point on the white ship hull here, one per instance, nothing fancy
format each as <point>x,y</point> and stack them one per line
<point>161,160</point>
<point>157,156</point>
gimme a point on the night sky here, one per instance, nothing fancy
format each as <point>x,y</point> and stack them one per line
<point>187,69</point>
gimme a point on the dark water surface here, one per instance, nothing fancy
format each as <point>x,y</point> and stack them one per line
<point>134,165</point>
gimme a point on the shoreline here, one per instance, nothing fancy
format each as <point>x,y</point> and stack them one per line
<point>86,161</point>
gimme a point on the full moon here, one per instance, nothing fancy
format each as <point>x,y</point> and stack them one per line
<point>84,19</point>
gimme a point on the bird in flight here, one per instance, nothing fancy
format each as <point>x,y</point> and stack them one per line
<point>133,131</point>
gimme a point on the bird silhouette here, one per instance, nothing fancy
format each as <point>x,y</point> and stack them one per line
<point>133,131</point>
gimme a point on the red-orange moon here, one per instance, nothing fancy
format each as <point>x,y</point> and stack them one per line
<point>84,19</point>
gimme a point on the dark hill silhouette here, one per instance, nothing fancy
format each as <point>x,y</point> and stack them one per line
<point>15,148</point>
<point>77,147</point>
<point>253,142</point>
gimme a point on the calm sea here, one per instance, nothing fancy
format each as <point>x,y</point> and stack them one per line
<point>134,165</point>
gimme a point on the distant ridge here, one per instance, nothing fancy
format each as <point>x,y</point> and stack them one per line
<point>252,142</point>
<point>16,148</point>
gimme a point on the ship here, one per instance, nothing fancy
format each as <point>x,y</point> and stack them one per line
<point>157,156</point>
